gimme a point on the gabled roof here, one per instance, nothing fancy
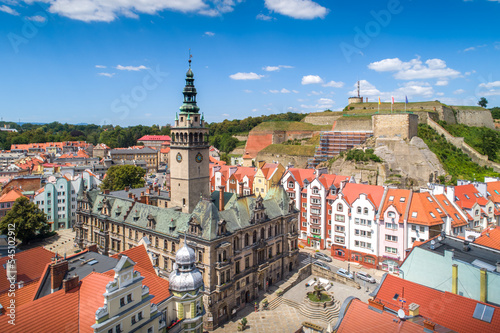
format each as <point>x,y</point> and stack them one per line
<point>216,161</point>
<point>374,193</point>
<point>301,174</point>
<point>329,180</point>
<point>30,265</point>
<point>468,195</point>
<point>457,219</point>
<point>11,196</point>
<point>140,256</point>
<point>424,210</point>
<point>269,169</point>
<point>23,295</point>
<point>490,237</point>
<point>446,309</point>
<point>397,198</point>
<point>155,138</point>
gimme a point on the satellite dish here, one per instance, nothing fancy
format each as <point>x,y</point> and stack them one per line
<point>401,314</point>
<point>440,238</point>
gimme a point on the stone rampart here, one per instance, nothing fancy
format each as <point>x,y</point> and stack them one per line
<point>460,144</point>
<point>327,119</point>
<point>476,118</point>
<point>403,125</point>
<point>353,124</point>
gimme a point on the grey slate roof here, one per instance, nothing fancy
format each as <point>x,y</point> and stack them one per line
<point>237,213</point>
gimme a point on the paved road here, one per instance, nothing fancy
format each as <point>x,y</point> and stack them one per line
<point>306,258</point>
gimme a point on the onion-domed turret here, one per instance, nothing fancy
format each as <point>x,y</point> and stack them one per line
<point>185,276</point>
<point>189,93</point>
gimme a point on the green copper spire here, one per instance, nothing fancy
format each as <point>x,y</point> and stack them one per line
<point>189,92</point>
<point>189,116</point>
<point>202,116</point>
<point>176,117</point>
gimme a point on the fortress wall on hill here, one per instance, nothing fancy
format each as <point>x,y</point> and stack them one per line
<point>460,144</point>
<point>258,141</point>
<point>446,114</point>
<point>403,125</point>
<point>475,118</point>
<point>323,120</point>
<point>353,124</point>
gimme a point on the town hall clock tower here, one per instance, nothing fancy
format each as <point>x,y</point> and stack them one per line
<point>189,152</point>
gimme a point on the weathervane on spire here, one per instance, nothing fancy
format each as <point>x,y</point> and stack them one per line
<point>190,56</point>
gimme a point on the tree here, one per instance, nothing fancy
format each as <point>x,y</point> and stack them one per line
<point>490,143</point>
<point>119,176</point>
<point>28,220</point>
<point>495,112</point>
<point>482,102</point>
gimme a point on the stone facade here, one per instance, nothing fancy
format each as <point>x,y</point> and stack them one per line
<point>403,125</point>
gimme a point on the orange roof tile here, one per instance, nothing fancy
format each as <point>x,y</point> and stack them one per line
<point>444,308</point>
<point>468,195</point>
<point>457,219</point>
<point>30,265</point>
<point>493,189</point>
<point>490,237</point>
<point>400,199</point>
<point>360,318</point>
<point>423,207</point>
<point>23,295</point>
<point>351,192</point>
<point>11,196</point>
<point>155,138</point>
<point>140,256</point>
<point>165,150</point>
<point>328,180</point>
<point>302,174</point>
<point>91,299</point>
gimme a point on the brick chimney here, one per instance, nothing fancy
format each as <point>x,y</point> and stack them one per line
<point>127,188</point>
<point>148,191</point>
<point>429,325</point>
<point>221,198</point>
<point>241,188</point>
<point>413,309</point>
<point>106,191</point>
<point>130,195</point>
<point>376,305</point>
<point>70,283</point>
<point>57,272</point>
<point>92,248</point>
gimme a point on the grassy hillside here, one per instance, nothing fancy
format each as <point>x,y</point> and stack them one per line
<point>486,141</point>
<point>291,126</point>
<point>454,161</point>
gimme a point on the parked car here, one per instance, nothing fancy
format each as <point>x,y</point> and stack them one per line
<point>345,273</point>
<point>322,256</point>
<point>322,265</point>
<point>366,277</point>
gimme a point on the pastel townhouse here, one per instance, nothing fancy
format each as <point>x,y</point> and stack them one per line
<point>426,218</point>
<point>219,175</point>
<point>493,192</point>
<point>393,220</point>
<point>267,176</point>
<point>478,209</point>
<point>355,223</point>
<point>294,180</point>
<point>241,181</point>
<point>319,196</point>
<point>455,220</point>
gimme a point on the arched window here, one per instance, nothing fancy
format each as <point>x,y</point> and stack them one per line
<point>236,245</point>
<point>254,236</point>
<point>224,255</point>
<point>275,230</point>
<point>365,211</point>
<point>359,210</point>
<point>201,137</point>
<point>262,233</point>
<point>340,207</point>
<point>246,239</point>
<point>269,232</point>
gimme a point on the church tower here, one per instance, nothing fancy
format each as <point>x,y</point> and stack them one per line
<point>189,152</point>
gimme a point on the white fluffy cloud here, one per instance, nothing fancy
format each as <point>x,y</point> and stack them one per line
<point>106,74</point>
<point>8,10</point>
<point>109,10</point>
<point>264,17</point>
<point>100,66</point>
<point>490,88</point>
<point>209,33</point>
<point>282,91</point>
<point>442,83</point>
<point>459,91</point>
<point>275,68</point>
<point>131,68</point>
<point>321,104</point>
<point>299,9</point>
<point>311,79</point>
<point>415,69</point>
<point>334,84</point>
<point>246,76</point>
<point>37,18</point>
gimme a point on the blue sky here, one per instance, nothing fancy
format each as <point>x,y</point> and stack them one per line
<point>123,62</point>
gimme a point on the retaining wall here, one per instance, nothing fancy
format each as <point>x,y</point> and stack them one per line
<point>460,144</point>
<point>327,274</point>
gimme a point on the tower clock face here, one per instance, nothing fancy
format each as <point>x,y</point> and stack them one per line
<point>199,157</point>
<point>178,157</point>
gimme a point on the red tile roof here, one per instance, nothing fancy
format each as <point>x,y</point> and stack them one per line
<point>493,189</point>
<point>91,298</point>
<point>302,174</point>
<point>23,295</point>
<point>328,180</point>
<point>490,237</point>
<point>30,265</point>
<point>216,161</point>
<point>396,195</point>
<point>468,195</point>
<point>81,144</point>
<point>424,205</point>
<point>11,196</point>
<point>360,318</point>
<point>155,138</point>
<point>165,150</point>
<point>352,191</point>
<point>444,308</point>
<point>140,256</point>
<point>457,219</point>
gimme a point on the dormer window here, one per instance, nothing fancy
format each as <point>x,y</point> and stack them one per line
<point>429,198</point>
<point>414,214</point>
<point>391,198</point>
<point>290,184</point>
<point>467,196</point>
<point>402,199</point>
<point>432,214</point>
